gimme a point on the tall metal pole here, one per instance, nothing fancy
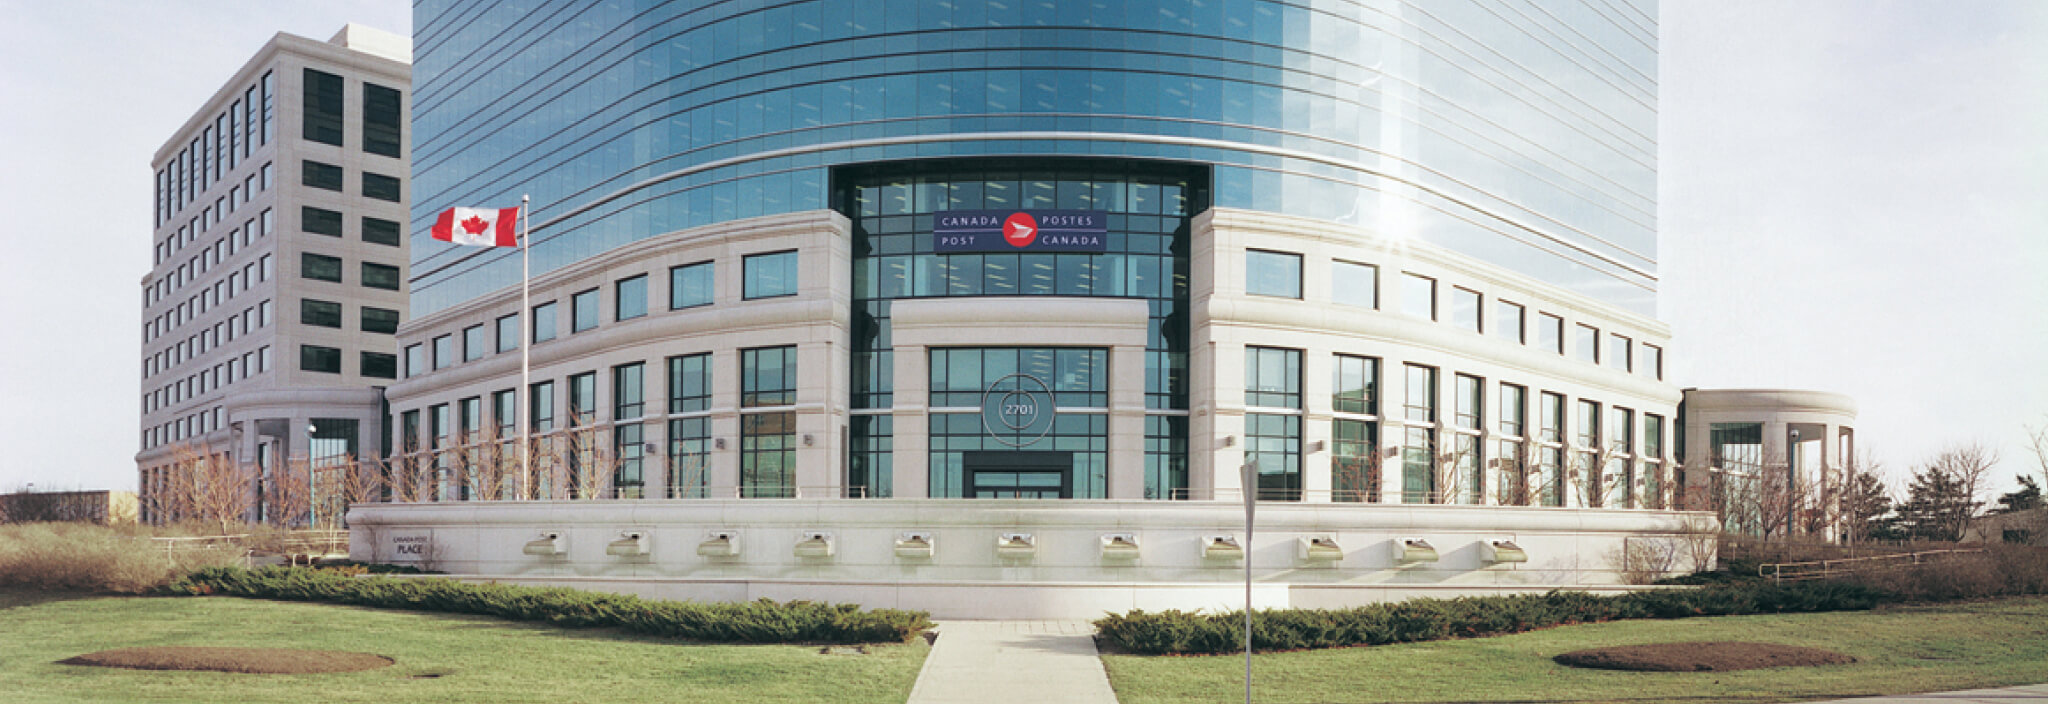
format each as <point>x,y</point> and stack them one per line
<point>1248,476</point>
<point>525,347</point>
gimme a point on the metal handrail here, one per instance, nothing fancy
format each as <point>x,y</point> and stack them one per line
<point>1776,570</point>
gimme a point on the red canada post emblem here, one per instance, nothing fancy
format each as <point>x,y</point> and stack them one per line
<point>1020,230</point>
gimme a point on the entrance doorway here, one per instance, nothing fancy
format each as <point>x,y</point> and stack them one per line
<point>1019,475</point>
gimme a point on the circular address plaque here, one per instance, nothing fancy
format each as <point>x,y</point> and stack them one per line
<point>1016,410</point>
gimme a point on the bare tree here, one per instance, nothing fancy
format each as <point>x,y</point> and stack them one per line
<point>288,493</point>
<point>209,486</point>
<point>2037,443</point>
<point>1589,476</point>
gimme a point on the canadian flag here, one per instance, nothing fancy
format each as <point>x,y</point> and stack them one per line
<point>479,227</point>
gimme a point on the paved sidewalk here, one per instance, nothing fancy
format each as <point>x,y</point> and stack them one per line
<point>996,662</point>
<point>2008,695</point>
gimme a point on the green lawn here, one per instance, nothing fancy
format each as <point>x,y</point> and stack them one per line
<point>1900,650</point>
<point>441,658</point>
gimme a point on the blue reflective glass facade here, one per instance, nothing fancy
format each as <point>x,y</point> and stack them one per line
<point>1522,135</point>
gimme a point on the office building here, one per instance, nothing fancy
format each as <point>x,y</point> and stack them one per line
<point>848,260</point>
<point>279,269</point>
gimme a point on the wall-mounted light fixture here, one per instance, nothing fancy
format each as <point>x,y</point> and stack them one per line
<point>1413,550</point>
<point>808,440</point>
<point>1316,446</point>
<point>549,544</point>
<point>1016,545</point>
<point>1320,549</point>
<point>1222,547</point>
<point>914,545</point>
<point>814,544</point>
<point>1229,441</point>
<point>1505,550</point>
<point>723,543</point>
<point>718,443</point>
<point>1119,546</point>
<point>631,543</point>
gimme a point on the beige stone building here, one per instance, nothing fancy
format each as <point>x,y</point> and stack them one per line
<point>279,264</point>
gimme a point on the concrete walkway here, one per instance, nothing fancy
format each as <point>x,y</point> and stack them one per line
<point>997,662</point>
<point>2008,695</point>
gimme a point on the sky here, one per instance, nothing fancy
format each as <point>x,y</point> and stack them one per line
<point>1851,200</point>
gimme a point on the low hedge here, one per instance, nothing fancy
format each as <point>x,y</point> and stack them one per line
<point>1182,632</point>
<point>761,621</point>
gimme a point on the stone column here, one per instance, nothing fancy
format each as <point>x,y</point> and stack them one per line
<point>1127,422</point>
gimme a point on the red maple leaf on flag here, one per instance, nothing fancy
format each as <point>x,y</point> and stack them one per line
<point>475,225</point>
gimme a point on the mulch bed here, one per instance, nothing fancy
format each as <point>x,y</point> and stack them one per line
<point>1701,657</point>
<point>273,661</point>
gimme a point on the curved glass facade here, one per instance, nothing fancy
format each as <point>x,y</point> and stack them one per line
<point>1523,136</point>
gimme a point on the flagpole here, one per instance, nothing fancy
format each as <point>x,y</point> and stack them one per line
<point>525,347</point>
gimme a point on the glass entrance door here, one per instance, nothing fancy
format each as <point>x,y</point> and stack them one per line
<point>1020,475</point>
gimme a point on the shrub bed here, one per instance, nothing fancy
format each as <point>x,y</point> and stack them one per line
<point>1181,632</point>
<point>86,557</point>
<point>756,622</point>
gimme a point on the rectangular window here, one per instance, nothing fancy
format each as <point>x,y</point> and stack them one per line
<point>313,174</point>
<point>629,389</point>
<point>1272,273</point>
<point>629,453</point>
<point>265,84</point>
<point>326,314</point>
<point>1418,296</point>
<point>1550,333</point>
<point>1621,469</point>
<point>690,285</point>
<point>380,320</point>
<point>319,221</point>
<point>1471,402</point>
<point>1357,385</point>
<point>508,333</point>
<point>582,399</point>
<point>1552,472</point>
<point>1587,346</point>
<point>1354,461</point>
<point>1273,445</point>
<point>1465,309</point>
<point>768,377</point>
<point>583,311</point>
<point>1272,377</point>
<point>1418,448</point>
<point>381,187</point>
<point>689,457</point>
<point>1651,485</point>
<point>314,358</point>
<point>415,360</point>
<point>1618,350</point>
<point>1507,321</point>
<point>768,455</point>
<point>1518,477</point>
<point>544,322</point>
<point>1513,410</point>
<point>323,107</point>
<point>473,343</point>
<point>629,298</point>
<point>380,365</point>
<point>540,403</point>
<point>320,267</point>
<point>769,275</point>
<point>444,351</point>
<point>382,108</point>
<point>1653,361</point>
<point>689,383</point>
<point>382,276</point>
<point>380,231</point>
<point>1354,284</point>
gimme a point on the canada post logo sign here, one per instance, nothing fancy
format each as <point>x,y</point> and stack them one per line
<point>1020,230</point>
